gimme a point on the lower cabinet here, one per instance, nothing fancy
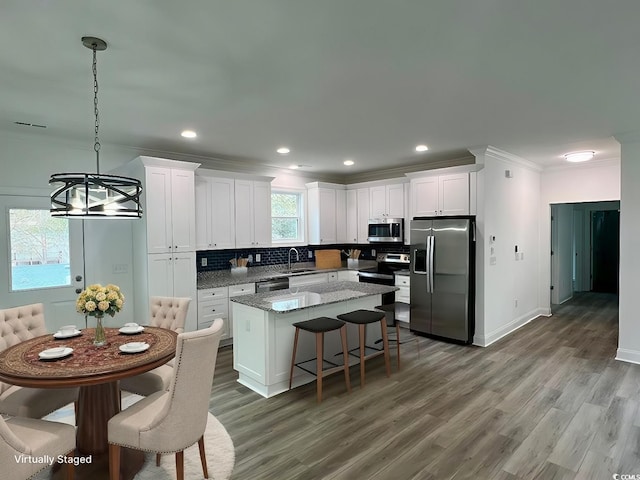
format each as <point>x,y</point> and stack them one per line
<point>310,279</point>
<point>348,275</point>
<point>215,303</point>
<point>403,282</point>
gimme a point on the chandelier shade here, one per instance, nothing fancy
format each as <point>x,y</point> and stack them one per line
<point>95,195</point>
<point>99,195</point>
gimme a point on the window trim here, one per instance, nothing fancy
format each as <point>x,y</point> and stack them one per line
<point>302,216</point>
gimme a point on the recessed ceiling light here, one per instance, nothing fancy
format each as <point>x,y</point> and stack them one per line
<point>189,134</point>
<point>422,148</point>
<point>348,163</point>
<point>579,156</point>
<point>283,150</point>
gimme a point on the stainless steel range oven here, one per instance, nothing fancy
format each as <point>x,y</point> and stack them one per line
<point>383,273</point>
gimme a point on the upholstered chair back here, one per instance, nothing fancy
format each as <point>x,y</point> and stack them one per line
<point>169,312</point>
<point>181,421</point>
<point>21,323</point>
<point>37,438</point>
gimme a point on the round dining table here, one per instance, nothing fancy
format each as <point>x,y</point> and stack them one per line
<point>96,370</point>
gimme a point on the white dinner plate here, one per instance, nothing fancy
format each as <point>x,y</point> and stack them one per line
<point>52,353</point>
<point>67,335</point>
<point>134,347</point>
<point>131,330</point>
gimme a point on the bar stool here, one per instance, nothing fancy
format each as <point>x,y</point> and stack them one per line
<point>320,326</point>
<point>391,311</point>
<point>362,318</point>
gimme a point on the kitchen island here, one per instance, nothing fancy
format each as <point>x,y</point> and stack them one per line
<point>263,331</point>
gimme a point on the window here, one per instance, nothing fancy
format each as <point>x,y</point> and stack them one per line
<point>39,246</point>
<point>287,220</point>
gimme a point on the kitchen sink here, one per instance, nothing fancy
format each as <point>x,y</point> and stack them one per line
<point>298,270</point>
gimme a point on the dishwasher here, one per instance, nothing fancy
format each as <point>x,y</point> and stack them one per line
<point>272,284</point>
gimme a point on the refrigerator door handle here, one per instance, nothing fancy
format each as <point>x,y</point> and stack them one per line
<point>430,246</point>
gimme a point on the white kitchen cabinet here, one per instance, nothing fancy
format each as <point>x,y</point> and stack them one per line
<point>364,215</point>
<point>236,291</point>
<point>387,201</point>
<point>348,275</point>
<point>215,207</point>
<point>440,195</point>
<point>173,275</point>
<point>352,216</point>
<point>321,214</point>
<point>169,209</point>
<point>309,279</point>
<point>252,213</point>
<point>341,216</point>
<point>164,262</point>
<point>403,282</point>
<point>214,303</point>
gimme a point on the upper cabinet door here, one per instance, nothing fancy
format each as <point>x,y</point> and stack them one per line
<point>395,200</point>
<point>378,202</point>
<point>203,213</point>
<point>424,197</point>
<point>341,216</point>
<point>352,216</point>
<point>244,213</point>
<point>363,214</point>
<point>157,191</point>
<point>222,213</point>
<point>183,210</point>
<point>327,216</point>
<point>262,214</point>
<point>454,194</point>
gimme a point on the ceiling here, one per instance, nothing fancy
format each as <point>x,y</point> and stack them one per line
<point>333,79</point>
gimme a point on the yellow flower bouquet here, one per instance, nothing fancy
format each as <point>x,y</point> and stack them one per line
<point>98,301</point>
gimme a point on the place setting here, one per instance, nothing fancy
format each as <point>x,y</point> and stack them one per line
<point>67,331</point>
<point>131,328</point>
<point>134,347</point>
<point>55,353</point>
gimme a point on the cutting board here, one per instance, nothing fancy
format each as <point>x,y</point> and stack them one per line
<point>328,259</point>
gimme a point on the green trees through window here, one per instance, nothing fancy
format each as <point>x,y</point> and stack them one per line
<point>286,217</point>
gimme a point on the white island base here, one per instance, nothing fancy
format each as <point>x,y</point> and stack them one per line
<point>263,343</point>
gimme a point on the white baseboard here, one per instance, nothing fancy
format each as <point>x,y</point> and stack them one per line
<point>486,340</point>
<point>631,356</point>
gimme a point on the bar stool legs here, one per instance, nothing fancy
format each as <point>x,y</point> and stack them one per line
<point>319,326</point>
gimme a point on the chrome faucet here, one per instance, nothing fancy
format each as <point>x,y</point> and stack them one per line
<point>297,256</point>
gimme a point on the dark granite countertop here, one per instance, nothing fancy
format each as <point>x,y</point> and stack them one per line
<point>225,278</point>
<point>292,299</point>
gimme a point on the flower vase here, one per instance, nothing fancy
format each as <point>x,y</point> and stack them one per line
<point>100,339</point>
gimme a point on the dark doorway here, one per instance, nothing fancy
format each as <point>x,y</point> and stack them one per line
<point>605,238</point>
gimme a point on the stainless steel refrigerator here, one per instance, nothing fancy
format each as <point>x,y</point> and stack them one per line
<point>443,277</point>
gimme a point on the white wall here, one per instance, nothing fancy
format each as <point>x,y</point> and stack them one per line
<point>590,182</point>
<point>629,321</point>
<point>507,291</point>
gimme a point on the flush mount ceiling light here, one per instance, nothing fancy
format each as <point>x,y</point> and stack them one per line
<point>283,150</point>
<point>189,134</point>
<point>421,148</point>
<point>579,156</point>
<point>86,195</point>
<point>348,163</point>
<point>294,167</point>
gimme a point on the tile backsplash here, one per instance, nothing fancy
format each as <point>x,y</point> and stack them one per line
<point>219,259</point>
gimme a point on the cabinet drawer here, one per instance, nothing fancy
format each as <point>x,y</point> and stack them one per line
<point>213,307</point>
<point>212,293</point>
<point>402,280</point>
<point>311,279</point>
<point>243,289</point>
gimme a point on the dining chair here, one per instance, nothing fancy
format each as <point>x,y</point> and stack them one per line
<point>17,325</point>
<point>170,421</point>
<point>28,438</point>
<point>169,313</point>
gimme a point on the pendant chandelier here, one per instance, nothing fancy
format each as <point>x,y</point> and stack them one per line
<point>85,195</point>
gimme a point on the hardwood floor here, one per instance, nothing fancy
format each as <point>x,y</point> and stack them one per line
<point>547,402</point>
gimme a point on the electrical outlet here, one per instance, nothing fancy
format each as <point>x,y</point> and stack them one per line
<point>119,268</point>
<point>203,262</point>
<point>258,258</point>
<point>373,252</point>
<point>516,303</point>
<point>310,254</point>
<point>250,258</point>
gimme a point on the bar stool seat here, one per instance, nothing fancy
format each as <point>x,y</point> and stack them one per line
<point>319,326</point>
<point>362,318</point>
<point>391,311</point>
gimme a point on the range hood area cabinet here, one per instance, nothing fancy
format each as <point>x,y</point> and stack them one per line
<point>215,207</point>
<point>164,238</point>
<point>387,201</point>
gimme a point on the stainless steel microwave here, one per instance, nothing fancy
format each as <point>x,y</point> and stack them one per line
<point>386,230</point>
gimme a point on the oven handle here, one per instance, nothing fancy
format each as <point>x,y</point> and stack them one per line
<point>375,275</point>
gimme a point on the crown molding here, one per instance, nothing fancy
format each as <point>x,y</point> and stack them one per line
<point>502,155</point>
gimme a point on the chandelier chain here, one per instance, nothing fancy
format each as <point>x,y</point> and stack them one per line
<point>96,144</point>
